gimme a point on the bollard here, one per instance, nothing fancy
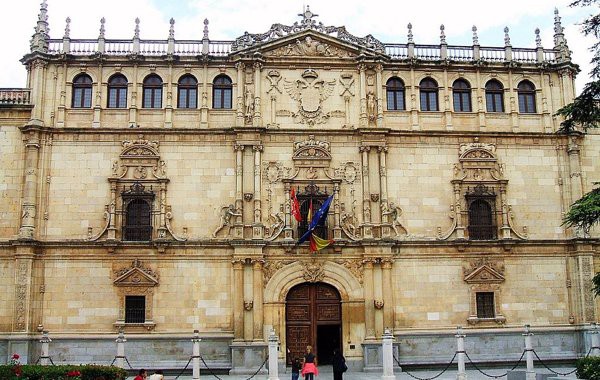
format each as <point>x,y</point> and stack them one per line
<point>595,349</point>
<point>120,358</point>
<point>530,374</point>
<point>45,341</point>
<point>273,344</point>
<point>388,356</point>
<point>460,353</point>
<point>196,355</point>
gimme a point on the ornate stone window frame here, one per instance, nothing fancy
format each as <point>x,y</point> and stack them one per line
<point>485,276</point>
<point>136,280</point>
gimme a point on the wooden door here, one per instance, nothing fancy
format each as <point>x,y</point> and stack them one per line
<point>307,307</point>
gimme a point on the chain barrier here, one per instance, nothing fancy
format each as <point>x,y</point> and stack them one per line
<point>121,357</point>
<point>217,377</point>
<point>427,378</point>
<point>553,371</point>
<point>495,376</point>
<point>184,368</point>
<point>45,357</point>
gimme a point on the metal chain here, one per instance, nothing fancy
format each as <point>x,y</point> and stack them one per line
<point>129,364</point>
<point>208,368</point>
<point>114,360</point>
<point>551,370</point>
<point>495,376</point>
<point>427,378</point>
<point>259,368</point>
<point>184,368</point>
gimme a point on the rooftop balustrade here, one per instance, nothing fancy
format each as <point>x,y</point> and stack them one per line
<point>15,96</point>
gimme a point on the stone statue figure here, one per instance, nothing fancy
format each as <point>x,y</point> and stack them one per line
<point>394,213</point>
<point>371,106</point>
<point>226,213</point>
<point>277,223</point>
<point>249,100</point>
<point>347,224</point>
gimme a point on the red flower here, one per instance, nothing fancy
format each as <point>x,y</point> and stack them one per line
<point>15,356</point>
<point>73,373</point>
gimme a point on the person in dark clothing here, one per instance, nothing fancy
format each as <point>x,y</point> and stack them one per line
<point>296,366</point>
<point>339,365</point>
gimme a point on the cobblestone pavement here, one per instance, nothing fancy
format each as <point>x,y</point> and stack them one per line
<point>326,374</point>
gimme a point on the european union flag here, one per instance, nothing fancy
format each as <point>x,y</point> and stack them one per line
<point>319,216</point>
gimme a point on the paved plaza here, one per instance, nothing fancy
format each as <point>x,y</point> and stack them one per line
<point>326,374</point>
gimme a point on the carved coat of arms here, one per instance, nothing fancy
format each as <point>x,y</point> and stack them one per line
<point>310,92</point>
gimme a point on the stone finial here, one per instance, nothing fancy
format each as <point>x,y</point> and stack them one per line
<point>410,34</point>
<point>67,27</point>
<point>136,31</point>
<point>102,29</point>
<point>307,16</point>
<point>39,40</point>
<point>442,34</point>
<point>475,37</point>
<point>560,42</point>
<point>558,28</point>
<point>172,28</point>
<point>506,36</point>
<point>205,36</point>
<point>538,39</point>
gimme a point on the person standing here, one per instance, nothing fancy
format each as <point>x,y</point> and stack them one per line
<point>339,365</point>
<point>141,375</point>
<point>296,368</point>
<point>158,375</point>
<point>309,366</point>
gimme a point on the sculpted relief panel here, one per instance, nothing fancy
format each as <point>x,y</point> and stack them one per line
<point>310,92</point>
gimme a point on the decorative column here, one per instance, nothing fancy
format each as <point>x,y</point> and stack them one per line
<point>257,119</point>
<point>364,121</point>
<point>112,212</point>
<point>133,86</point>
<point>460,229</point>
<point>38,70</point>
<point>238,300</point>
<point>61,109</point>
<point>379,79</point>
<point>162,227</point>
<point>257,228</point>
<point>574,169</point>
<point>204,101</point>
<point>29,205</point>
<point>369,305</point>
<point>385,229</point>
<point>169,90</point>
<point>238,230</point>
<point>257,266</point>
<point>367,228</point>
<point>287,230</point>
<point>45,349</point>
<point>505,229</point>
<point>23,282</point>
<point>337,230</point>
<point>388,293</point>
<point>239,118</point>
<point>388,356</point>
<point>98,98</point>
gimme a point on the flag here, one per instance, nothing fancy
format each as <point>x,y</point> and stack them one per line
<point>319,216</point>
<point>295,206</point>
<point>310,213</point>
<point>317,244</point>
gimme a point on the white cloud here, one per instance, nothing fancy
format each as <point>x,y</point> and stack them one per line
<point>386,20</point>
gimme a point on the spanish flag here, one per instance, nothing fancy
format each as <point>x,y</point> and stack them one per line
<point>317,244</point>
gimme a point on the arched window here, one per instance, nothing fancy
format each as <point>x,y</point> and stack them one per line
<point>494,96</point>
<point>152,92</point>
<point>187,92</point>
<point>461,93</point>
<point>526,91</point>
<point>138,221</point>
<point>481,220</point>
<point>117,91</point>
<point>395,94</point>
<point>222,92</point>
<point>82,92</point>
<point>429,95</point>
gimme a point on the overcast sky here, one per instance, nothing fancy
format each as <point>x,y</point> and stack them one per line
<point>386,20</point>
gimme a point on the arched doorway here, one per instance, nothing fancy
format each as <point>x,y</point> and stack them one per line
<point>313,316</point>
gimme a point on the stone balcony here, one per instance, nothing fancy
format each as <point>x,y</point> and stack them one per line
<point>15,96</point>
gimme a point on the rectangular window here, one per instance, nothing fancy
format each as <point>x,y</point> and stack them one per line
<point>493,102</point>
<point>112,98</point>
<point>227,98</point>
<point>157,98</point>
<point>135,309</point>
<point>87,97</point>
<point>485,305</point>
<point>462,102</point>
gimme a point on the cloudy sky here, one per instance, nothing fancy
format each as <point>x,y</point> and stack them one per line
<point>385,19</point>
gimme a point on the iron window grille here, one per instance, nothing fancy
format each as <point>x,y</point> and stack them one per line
<point>137,218</point>
<point>135,309</point>
<point>482,216</point>
<point>485,305</point>
<point>313,194</point>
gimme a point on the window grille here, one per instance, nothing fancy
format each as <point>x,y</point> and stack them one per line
<point>485,305</point>
<point>135,309</point>
<point>481,220</point>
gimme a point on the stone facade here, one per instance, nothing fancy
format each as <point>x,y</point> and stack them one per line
<point>310,111</point>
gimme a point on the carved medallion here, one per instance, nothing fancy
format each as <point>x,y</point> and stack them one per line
<point>310,92</point>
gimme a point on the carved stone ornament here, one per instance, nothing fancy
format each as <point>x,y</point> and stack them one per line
<point>354,266</point>
<point>270,267</point>
<point>312,153</point>
<point>312,271</point>
<point>310,92</point>
<point>378,304</point>
<point>375,197</point>
<point>308,47</point>
<point>136,275</point>
<point>307,23</point>
<point>248,305</point>
<point>484,271</point>
<point>248,197</point>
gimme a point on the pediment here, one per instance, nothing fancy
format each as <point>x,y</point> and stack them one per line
<point>484,275</point>
<point>309,43</point>
<point>136,275</point>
